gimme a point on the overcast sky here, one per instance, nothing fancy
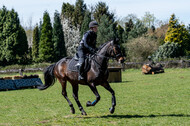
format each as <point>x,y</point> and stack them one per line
<point>162,9</point>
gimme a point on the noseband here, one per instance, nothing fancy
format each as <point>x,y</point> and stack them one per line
<point>114,54</point>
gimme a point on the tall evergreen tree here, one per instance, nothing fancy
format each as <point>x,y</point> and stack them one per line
<point>106,30</point>
<point>3,13</point>
<point>21,48</point>
<point>46,46</point>
<point>58,38</point>
<point>79,13</point>
<point>120,32</point>
<point>138,30</point>
<point>68,11</point>
<point>35,45</point>
<point>13,39</point>
<point>178,33</point>
<point>102,9</point>
<point>128,27</point>
<point>40,28</point>
<point>85,24</point>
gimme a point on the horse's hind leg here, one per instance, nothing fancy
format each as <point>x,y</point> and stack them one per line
<point>75,95</point>
<point>94,90</point>
<point>107,86</point>
<point>64,93</point>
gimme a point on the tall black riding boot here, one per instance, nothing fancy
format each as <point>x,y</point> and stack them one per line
<point>81,71</point>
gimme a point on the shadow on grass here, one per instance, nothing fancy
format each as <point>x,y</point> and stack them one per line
<point>144,116</point>
<point>133,116</point>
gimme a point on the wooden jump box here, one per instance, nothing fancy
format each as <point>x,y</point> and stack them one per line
<point>114,74</point>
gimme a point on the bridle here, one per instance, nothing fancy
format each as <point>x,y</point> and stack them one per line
<point>110,51</point>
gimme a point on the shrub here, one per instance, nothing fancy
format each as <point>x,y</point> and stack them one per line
<point>139,49</point>
<point>167,50</point>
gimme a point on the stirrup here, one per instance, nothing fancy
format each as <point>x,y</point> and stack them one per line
<point>80,78</point>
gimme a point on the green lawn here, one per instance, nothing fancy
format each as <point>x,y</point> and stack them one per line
<point>159,100</point>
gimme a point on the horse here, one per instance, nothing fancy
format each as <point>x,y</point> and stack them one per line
<point>97,75</point>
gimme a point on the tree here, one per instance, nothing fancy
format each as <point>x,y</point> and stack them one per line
<point>102,9</point>
<point>85,24</point>
<point>149,19</point>
<point>119,33</point>
<point>79,13</point>
<point>58,38</point>
<point>129,17</point>
<point>21,48</point>
<point>177,33</point>
<point>138,30</point>
<point>46,45</point>
<point>29,32</point>
<point>68,11</point>
<point>71,32</point>
<point>35,44</point>
<point>128,27</point>
<point>40,28</point>
<point>13,39</point>
<point>106,30</point>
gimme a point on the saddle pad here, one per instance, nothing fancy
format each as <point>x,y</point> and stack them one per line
<point>73,62</point>
<point>72,66</point>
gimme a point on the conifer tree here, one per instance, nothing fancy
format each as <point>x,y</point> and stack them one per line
<point>137,30</point>
<point>79,13</point>
<point>68,11</point>
<point>106,31</point>
<point>119,35</point>
<point>177,33</point>
<point>13,39</point>
<point>46,46</point>
<point>128,27</point>
<point>102,9</point>
<point>40,28</point>
<point>35,45</point>
<point>85,24</point>
<point>58,38</point>
<point>21,48</point>
<point>120,32</point>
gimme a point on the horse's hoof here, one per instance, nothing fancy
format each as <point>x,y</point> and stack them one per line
<point>88,103</point>
<point>72,110</point>
<point>83,113</point>
<point>112,109</point>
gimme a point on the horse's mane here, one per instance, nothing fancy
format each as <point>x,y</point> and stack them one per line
<point>102,46</point>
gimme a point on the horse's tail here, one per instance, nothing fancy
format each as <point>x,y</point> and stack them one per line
<point>49,77</point>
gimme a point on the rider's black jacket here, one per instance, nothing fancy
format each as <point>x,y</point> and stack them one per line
<point>88,42</point>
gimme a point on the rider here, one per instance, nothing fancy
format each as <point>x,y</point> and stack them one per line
<point>87,46</point>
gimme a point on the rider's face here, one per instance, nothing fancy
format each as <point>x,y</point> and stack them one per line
<point>95,29</point>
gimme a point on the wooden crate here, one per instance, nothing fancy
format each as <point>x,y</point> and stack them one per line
<point>114,74</point>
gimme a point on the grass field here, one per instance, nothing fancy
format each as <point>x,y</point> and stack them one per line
<point>159,100</point>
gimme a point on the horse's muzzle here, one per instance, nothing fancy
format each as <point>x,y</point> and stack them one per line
<point>121,60</point>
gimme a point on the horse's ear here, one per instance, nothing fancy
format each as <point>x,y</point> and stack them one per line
<point>116,41</point>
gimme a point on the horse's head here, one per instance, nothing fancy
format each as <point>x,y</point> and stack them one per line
<point>115,51</point>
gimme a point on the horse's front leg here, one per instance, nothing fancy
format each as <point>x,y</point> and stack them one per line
<point>75,95</point>
<point>95,91</point>
<point>107,86</point>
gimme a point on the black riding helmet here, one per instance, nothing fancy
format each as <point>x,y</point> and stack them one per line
<point>93,24</point>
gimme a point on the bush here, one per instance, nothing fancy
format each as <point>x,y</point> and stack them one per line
<point>168,50</point>
<point>139,49</point>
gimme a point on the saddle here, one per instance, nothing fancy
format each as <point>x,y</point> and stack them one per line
<point>72,66</point>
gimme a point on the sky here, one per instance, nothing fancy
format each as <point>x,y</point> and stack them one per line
<point>32,10</point>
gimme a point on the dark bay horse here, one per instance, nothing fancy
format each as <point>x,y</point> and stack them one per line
<point>97,75</point>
